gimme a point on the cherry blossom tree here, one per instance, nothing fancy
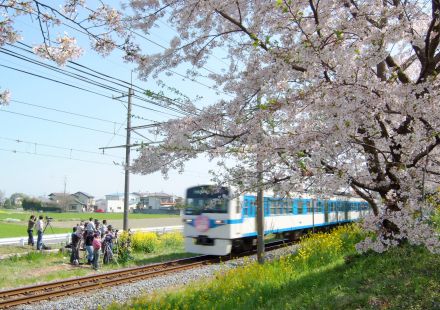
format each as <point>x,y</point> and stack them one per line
<point>326,94</point>
<point>102,24</point>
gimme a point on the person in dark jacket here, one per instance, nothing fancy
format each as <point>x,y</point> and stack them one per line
<point>30,230</point>
<point>74,256</point>
<point>89,247</point>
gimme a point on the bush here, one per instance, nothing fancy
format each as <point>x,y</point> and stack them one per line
<point>124,247</point>
<point>37,205</point>
<point>145,241</point>
<point>171,240</point>
<point>8,204</point>
<point>323,248</point>
<point>149,242</point>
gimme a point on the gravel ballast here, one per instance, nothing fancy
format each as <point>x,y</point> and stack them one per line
<point>123,293</point>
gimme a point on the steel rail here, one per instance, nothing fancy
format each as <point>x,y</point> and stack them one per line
<point>94,277</point>
<point>34,293</point>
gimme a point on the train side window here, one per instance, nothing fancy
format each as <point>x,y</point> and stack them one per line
<point>286,204</point>
<point>309,206</point>
<point>300,206</point>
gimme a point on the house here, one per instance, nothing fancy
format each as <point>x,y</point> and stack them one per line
<point>158,201</point>
<point>65,201</point>
<point>78,202</point>
<point>85,200</point>
<point>115,202</point>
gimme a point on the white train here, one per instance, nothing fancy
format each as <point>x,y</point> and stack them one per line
<point>216,224</point>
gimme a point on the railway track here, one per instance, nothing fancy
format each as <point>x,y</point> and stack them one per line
<point>47,291</point>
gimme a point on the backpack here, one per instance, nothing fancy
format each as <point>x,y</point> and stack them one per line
<point>96,244</point>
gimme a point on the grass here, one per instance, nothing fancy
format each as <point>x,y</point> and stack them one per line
<point>74,216</point>
<point>325,274</point>
<point>8,249</point>
<point>9,230</point>
<point>36,267</point>
<point>14,223</point>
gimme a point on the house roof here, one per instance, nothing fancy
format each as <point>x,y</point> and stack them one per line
<point>85,194</point>
<point>59,194</point>
<point>159,195</point>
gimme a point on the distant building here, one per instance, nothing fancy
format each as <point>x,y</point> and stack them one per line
<point>78,202</point>
<point>115,202</point>
<point>101,204</point>
<point>158,201</point>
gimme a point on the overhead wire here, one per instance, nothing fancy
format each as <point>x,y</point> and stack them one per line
<point>63,123</point>
<point>93,82</point>
<point>59,147</point>
<point>66,112</point>
<point>83,89</point>
<point>53,80</point>
<point>56,156</point>
<point>86,116</point>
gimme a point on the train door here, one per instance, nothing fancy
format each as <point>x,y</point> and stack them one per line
<point>325,211</point>
<point>346,207</point>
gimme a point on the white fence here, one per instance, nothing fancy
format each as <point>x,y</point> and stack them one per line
<point>65,238</point>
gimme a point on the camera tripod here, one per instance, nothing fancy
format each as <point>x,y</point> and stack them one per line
<point>47,224</point>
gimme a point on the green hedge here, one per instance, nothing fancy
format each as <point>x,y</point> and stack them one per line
<point>37,205</point>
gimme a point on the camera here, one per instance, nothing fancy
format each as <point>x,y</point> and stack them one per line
<point>49,218</point>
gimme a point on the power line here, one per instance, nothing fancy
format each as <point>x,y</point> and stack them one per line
<point>92,82</point>
<point>63,123</point>
<point>151,41</point>
<point>46,78</point>
<point>58,147</point>
<point>56,69</point>
<point>56,156</point>
<point>103,76</point>
<point>66,112</point>
<point>90,91</point>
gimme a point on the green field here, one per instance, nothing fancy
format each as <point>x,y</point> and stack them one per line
<point>10,230</point>
<point>70,216</point>
<point>14,224</point>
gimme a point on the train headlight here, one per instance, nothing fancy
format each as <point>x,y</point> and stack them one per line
<point>218,222</point>
<point>188,221</point>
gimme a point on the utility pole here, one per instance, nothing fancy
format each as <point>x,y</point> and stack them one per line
<point>127,162</point>
<point>64,195</point>
<point>260,199</point>
<point>127,157</point>
<point>260,212</point>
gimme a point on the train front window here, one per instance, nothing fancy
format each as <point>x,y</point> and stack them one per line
<point>206,199</point>
<point>200,205</point>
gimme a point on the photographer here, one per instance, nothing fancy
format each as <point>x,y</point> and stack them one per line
<point>40,229</point>
<point>30,230</point>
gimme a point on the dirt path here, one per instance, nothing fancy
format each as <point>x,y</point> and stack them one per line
<point>135,223</point>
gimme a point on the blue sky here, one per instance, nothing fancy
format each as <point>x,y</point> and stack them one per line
<point>36,167</point>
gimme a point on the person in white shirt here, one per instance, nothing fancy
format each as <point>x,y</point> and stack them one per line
<point>90,226</point>
<point>40,230</point>
<point>103,228</point>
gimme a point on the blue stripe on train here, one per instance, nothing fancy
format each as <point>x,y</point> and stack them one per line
<point>213,224</point>
<point>273,231</point>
